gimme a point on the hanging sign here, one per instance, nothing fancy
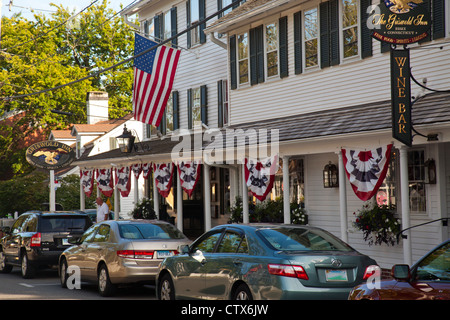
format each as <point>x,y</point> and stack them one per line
<point>50,155</point>
<point>399,21</point>
<point>401,96</point>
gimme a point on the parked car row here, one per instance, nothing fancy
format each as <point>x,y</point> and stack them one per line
<point>235,261</point>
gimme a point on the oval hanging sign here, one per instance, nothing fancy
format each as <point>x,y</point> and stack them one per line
<point>399,21</point>
<point>50,155</point>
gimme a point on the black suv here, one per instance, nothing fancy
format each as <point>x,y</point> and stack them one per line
<point>38,238</point>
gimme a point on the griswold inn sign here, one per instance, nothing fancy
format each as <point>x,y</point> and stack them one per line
<point>400,22</point>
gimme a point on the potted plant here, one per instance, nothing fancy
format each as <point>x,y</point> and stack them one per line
<point>378,224</point>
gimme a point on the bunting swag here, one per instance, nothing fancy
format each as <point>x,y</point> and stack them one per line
<point>260,176</point>
<point>366,170</point>
<point>137,169</point>
<point>105,182</point>
<point>163,178</point>
<point>189,173</point>
<point>87,181</point>
<point>146,170</point>
<point>123,181</point>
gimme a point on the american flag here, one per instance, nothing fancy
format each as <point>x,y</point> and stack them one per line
<point>154,73</point>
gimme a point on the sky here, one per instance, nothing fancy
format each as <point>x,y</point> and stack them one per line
<point>26,6</point>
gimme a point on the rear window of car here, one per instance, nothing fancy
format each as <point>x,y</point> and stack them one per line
<point>149,231</point>
<point>63,223</point>
<point>302,239</point>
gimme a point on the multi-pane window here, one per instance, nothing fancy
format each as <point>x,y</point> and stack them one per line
<point>169,115</point>
<point>416,176</point>
<point>196,105</point>
<point>350,27</point>
<point>167,25</point>
<point>243,58</point>
<point>272,49</point>
<point>194,14</point>
<point>311,38</point>
<point>225,110</point>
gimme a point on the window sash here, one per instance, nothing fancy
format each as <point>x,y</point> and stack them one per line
<point>350,28</point>
<point>243,56</point>
<point>311,37</point>
<point>272,56</point>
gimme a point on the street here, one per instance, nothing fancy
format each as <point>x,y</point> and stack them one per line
<point>46,286</point>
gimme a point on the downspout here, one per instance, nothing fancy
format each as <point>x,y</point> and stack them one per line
<point>217,41</point>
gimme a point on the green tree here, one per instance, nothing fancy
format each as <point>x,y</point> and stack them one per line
<point>51,52</point>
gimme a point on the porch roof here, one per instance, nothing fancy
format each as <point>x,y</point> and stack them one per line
<point>431,109</point>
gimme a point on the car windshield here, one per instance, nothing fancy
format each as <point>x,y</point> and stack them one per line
<point>62,223</point>
<point>149,231</point>
<point>302,239</point>
<point>436,266</point>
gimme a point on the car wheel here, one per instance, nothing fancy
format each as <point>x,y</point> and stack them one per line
<point>4,268</point>
<point>166,288</point>
<point>27,269</point>
<point>105,287</point>
<point>63,273</point>
<point>242,292</point>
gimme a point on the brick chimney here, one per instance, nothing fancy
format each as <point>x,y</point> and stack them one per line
<point>97,106</point>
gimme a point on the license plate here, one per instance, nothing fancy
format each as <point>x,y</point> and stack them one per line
<point>336,275</point>
<point>164,254</point>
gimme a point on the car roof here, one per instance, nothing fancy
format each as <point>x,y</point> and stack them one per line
<point>55,213</point>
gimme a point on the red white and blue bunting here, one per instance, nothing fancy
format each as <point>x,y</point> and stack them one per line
<point>123,181</point>
<point>163,174</point>
<point>260,175</point>
<point>105,182</point>
<point>366,170</point>
<point>189,173</point>
<point>146,170</point>
<point>137,169</point>
<point>87,181</point>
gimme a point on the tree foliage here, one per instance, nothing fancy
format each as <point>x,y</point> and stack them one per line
<point>53,51</point>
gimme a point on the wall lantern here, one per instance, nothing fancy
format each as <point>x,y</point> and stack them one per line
<point>330,176</point>
<point>430,173</point>
<point>125,141</point>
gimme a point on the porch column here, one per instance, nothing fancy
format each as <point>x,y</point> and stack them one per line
<point>116,203</point>
<point>82,197</point>
<point>155,197</point>
<point>179,204</point>
<point>245,214</point>
<point>207,190</point>
<point>404,189</point>
<point>136,189</point>
<point>342,199</point>
<point>286,187</point>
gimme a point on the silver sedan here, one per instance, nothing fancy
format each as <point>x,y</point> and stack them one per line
<point>112,252</point>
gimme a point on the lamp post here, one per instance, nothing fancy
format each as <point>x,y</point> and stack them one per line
<point>126,140</point>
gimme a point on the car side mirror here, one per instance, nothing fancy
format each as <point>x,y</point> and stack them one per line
<point>183,249</point>
<point>401,272</point>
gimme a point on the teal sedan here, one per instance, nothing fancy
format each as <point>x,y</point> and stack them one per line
<point>261,261</point>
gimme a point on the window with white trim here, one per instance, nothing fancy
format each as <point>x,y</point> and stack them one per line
<point>350,28</point>
<point>243,58</point>
<point>271,41</point>
<point>311,37</point>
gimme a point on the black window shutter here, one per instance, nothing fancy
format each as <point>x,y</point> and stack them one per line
<point>283,43</point>
<point>146,31</point>
<point>162,125</point>
<point>256,55</point>
<point>233,62</point>
<point>202,16</point>
<point>324,36</point>
<point>157,22</point>
<point>176,112</point>
<point>334,32</point>
<point>189,108</point>
<point>366,34</point>
<point>204,104</point>
<point>220,104</point>
<point>298,52</point>
<point>174,27</point>
<point>188,21</point>
<point>438,16</point>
